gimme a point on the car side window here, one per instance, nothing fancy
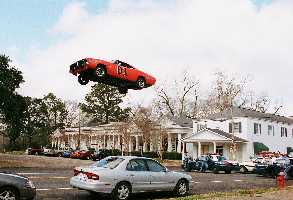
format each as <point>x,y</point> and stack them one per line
<point>155,166</point>
<point>137,165</point>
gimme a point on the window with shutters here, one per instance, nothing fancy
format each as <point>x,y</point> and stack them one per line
<point>271,130</point>
<point>284,132</point>
<point>257,128</point>
<point>236,127</point>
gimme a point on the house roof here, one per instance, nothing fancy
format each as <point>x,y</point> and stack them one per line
<point>227,135</point>
<point>245,112</point>
<point>219,135</point>
<point>183,122</point>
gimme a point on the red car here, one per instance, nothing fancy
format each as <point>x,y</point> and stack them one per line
<point>115,73</point>
<point>83,154</point>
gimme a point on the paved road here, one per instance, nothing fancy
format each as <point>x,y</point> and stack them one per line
<point>54,184</point>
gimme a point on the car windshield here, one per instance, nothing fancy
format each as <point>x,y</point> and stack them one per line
<point>110,162</point>
<point>259,160</point>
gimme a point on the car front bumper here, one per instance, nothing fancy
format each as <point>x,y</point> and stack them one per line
<point>28,193</point>
<point>94,186</point>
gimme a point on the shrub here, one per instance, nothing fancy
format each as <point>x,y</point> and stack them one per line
<point>150,154</point>
<point>172,156</point>
<point>135,153</point>
<point>259,147</point>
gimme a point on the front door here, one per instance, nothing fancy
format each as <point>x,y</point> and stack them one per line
<point>138,174</point>
<point>160,179</point>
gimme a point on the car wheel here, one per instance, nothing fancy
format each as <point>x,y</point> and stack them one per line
<point>181,188</point>
<point>122,191</point>
<point>83,80</point>
<point>101,71</point>
<point>215,171</point>
<point>227,171</point>
<point>243,170</point>
<point>59,155</point>
<point>123,90</point>
<point>9,193</point>
<point>141,83</point>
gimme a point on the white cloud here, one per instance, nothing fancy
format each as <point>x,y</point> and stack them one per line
<point>163,38</point>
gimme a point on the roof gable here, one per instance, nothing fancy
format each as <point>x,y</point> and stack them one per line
<point>212,135</point>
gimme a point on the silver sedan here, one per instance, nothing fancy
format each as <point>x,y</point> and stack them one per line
<point>123,175</point>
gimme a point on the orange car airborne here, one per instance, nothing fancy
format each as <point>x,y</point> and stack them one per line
<point>115,73</point>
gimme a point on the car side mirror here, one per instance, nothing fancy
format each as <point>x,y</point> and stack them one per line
<point>165,170</point>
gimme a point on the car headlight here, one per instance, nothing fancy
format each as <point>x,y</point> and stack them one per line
<point>29,184</point>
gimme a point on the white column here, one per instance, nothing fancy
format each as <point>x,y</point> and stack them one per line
<point>215,147</point>
<point>114,147</point>
<point>199,149</point>
<point>151,146</point>
<point>130,145</point>
<point>118,146</point>
<point>136,143</point>
<point>104,146</point>
<point>179,143</point>
<point>169,143</point>
<point>144,147</point>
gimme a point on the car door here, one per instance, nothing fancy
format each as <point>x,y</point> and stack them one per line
<point>161,179</point>
<point>138,175</point>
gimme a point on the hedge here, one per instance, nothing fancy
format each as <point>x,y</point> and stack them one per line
<point>172,156</point>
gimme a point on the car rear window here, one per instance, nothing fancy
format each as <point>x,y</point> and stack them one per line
<point>110,162</point>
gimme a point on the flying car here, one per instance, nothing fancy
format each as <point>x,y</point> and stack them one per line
<point>115,73</point>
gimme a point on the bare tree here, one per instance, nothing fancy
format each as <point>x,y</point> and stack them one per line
<point>176,98</point>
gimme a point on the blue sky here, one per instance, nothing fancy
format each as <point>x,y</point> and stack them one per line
<point>26,23</point>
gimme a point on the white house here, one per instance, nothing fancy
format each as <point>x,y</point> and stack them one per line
<point>217,133</point>
<point>108,136</point>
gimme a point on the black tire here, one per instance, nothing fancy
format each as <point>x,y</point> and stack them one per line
<point>83,80</point>
<point>243,170</point>
<point>122,191</point>
<point>227,171</point>
<point>101,71</point>
<point>182,188</point>
<point>140,83</point>
<point>123,90</point>
<point>12,192</point>
<point>215,171</point>
<point>59,155</point>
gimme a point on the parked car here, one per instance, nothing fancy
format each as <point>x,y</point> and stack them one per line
<point>249,166</point>
<point>121,176</point>
<point>273,168</point>
<point>16,187</point>
<point>223,164</point>
<point>85,154</point>
<point>75,154</point>
<point>115,73</point>
<point>35,151</point>
<point>103,153</point>
<point>67,153</point>
<point>202,164</point>
<point>48,151</point>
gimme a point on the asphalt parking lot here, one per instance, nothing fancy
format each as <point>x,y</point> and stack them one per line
<point>52,181</point>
